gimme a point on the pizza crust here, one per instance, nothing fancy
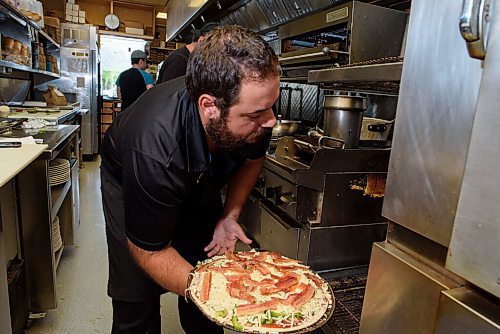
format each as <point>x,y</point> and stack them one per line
<point>247,269</point>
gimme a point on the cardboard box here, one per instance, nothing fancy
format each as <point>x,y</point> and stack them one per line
<point>163,35</point>
<point>104,127</point>
<point>134,24</point>
<point>106,119</point>
<point>74,19</point>
<point>55,13</point>
<point>81,13</point>
<point>69,10</point>
<point>69,18</point>
<point>75,13</point>
<point>71,1</point>
<point>52,21</point>
<point>76,7</point>
<point>134,31</point>
<point>69,6</point>
<point>81,20</point>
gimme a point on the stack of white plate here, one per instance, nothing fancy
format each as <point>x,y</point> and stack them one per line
<point>59,171</point>
<point>57,241</point>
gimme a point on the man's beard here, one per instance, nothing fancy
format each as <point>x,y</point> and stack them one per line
<point>220,134</point>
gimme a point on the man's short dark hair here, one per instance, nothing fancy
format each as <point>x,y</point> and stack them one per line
<point>228,56</point>
<point>137,60</point>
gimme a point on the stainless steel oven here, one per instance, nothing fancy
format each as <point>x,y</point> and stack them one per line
<point>315,205</point>
<point>350,33</point>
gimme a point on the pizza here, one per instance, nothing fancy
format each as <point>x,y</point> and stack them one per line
<point>260,292</point>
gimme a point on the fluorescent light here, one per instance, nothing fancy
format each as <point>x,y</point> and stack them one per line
<point>161,15</point>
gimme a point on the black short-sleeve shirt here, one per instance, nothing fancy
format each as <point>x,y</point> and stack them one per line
<point>158,153</point>
<point>175,65</point>
<point>131,85</point>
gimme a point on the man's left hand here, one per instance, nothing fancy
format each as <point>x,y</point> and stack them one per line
<point>226,234</point>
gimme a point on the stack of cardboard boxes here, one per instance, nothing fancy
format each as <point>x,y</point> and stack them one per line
<point>47,62</point>
<point>42,61</point>
<point>73,12</point>
<point>156,56</point>
<point>134,28</point>
<point>108,113</point>
<point>53,28</point>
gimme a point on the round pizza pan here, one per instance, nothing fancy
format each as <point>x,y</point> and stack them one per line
<point>321,321</point>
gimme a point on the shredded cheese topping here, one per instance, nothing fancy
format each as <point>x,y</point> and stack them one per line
<point>280,318</point>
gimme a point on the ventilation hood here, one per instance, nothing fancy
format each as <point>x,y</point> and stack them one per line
<point>257,15</point>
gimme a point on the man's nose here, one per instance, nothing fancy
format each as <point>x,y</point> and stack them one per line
<point>269,119</point>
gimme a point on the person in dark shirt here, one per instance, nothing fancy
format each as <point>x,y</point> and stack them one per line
<point>164,162</point>
<point>176,63</point>
<point>134,81</point>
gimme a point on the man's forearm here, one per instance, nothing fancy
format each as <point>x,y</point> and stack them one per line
<point>240,186</point>
<point>166,267</point>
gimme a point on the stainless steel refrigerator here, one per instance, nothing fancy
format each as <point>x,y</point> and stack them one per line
<point>79,77</point>
<point>439,270</point>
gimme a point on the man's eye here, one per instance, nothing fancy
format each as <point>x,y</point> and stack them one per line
<point>257,116</point>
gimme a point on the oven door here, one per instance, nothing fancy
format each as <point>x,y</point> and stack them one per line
<point>250,217</point>
<point>278,232</point>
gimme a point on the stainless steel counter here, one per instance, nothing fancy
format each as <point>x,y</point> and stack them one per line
<point>58,117</point>
<point>39,204</point>
<point>55,137</point>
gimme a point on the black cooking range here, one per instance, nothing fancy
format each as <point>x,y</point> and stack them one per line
<point>322,205</point>
<point>317,204</point>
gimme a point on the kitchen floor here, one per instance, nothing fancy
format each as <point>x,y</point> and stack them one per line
<point>83,305</point>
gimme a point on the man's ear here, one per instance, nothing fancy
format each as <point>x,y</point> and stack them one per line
<point>206,106</point>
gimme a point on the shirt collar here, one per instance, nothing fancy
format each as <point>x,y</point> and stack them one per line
<point>198,155</point>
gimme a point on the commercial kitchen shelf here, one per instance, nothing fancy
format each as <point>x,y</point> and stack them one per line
<point>381,78</point>
<point>122,34</point>
<point>50,39</point>
<point>18,16</point>
<point>25,68</point>
<point>58,194</point>
<point>57,256</point>
<point>362,73</point>
<point>160,48</point>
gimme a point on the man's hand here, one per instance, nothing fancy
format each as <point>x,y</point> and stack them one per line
<point>226,234</point>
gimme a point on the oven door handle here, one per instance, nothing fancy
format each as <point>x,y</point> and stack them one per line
<point>310,55</point>
<point>474,22</point>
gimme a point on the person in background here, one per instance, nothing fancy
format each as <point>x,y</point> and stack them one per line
<point>134,81</point>
<point>164,162</point>
<point>176,63</point>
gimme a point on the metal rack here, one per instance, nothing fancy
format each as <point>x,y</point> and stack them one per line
<point>349,288</point>
<point>23,26</point>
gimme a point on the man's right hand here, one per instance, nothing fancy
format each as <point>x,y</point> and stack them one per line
<point>227,232</point>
